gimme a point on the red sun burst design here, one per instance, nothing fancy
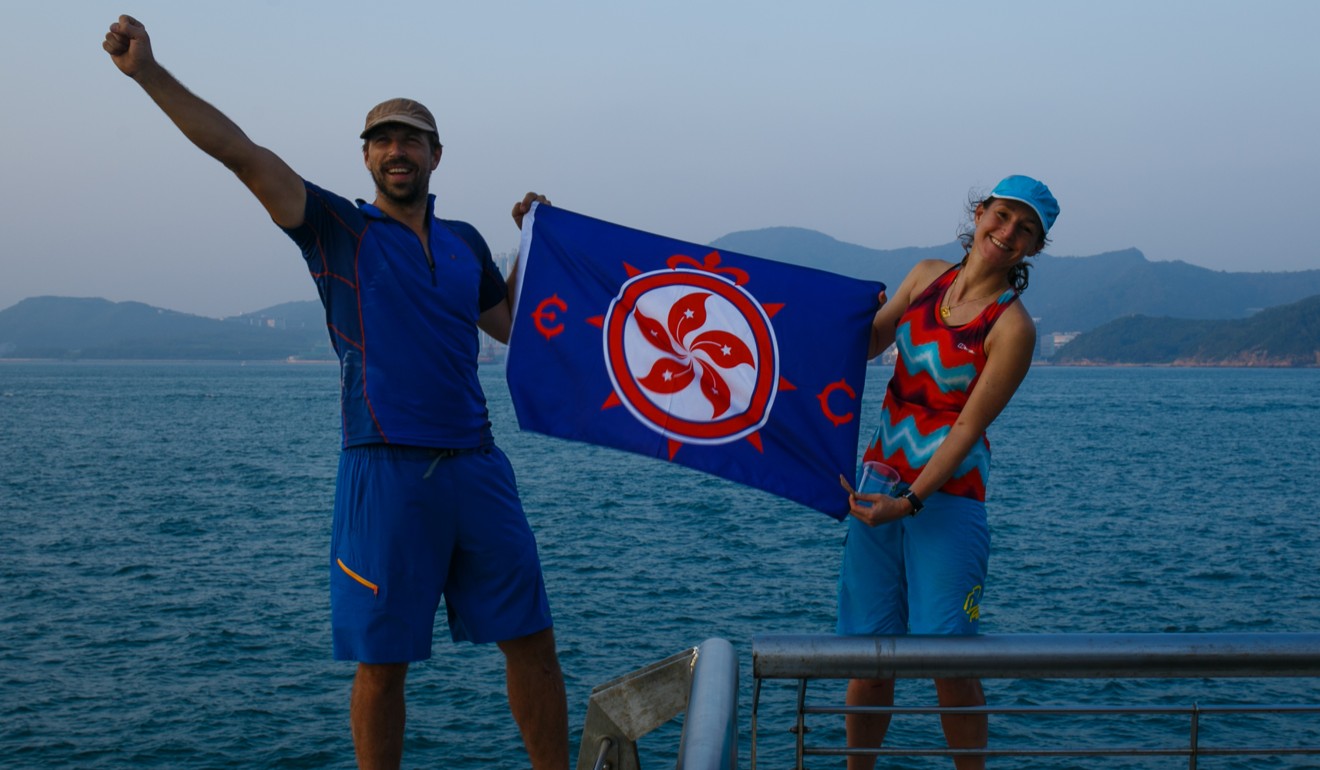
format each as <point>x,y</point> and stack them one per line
<point>691,353</point>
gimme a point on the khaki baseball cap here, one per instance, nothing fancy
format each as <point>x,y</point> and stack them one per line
<point>405,111</point>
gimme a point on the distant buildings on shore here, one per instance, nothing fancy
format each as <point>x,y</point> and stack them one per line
<point>1048,344</point>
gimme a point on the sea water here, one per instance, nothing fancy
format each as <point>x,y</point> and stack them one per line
<point>164,534</point>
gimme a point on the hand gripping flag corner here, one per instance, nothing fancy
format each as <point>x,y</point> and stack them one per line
<point>742,367</point>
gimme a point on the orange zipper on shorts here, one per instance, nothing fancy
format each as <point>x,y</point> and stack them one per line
<point>375,589</point>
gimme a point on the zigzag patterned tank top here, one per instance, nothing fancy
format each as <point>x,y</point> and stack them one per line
<point>938,366</point>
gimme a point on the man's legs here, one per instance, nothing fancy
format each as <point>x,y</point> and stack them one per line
<point>867,731</point>
<point>537,699</point>
<point>963,732</point>
<point>377,715</point>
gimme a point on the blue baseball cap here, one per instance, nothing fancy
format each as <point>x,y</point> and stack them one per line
<point>1032,192</point>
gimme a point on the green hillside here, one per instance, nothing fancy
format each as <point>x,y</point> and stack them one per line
<point>1288,335</point>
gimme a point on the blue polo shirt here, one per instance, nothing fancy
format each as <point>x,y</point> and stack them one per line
<point>404,327</point>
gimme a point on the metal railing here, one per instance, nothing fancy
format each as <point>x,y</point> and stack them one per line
<point>1040,656</point>
<point>702,680</point>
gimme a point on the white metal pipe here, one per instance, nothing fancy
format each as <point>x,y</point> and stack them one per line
<point>710,728</point>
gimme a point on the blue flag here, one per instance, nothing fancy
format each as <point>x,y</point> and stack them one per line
<point>742,367</point>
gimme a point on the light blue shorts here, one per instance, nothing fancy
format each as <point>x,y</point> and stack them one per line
<point>412,525</point>
<point>923,574</point>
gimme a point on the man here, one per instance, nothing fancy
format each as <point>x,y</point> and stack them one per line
<point>425,504</point>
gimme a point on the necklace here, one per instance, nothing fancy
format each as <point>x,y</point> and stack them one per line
<point>946,309</point>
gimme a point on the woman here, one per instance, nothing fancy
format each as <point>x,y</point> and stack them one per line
<point>916,562</point>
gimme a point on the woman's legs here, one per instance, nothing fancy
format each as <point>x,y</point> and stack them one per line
<point>963,731</point>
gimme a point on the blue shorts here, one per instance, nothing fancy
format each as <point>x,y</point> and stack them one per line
<point>414,524</point>
<point>923,574</point>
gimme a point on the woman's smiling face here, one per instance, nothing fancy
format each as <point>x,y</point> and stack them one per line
<point>1007,231</point>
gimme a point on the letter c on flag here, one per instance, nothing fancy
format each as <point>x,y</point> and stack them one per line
<point>541,314</point>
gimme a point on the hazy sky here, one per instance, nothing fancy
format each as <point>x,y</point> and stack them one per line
<point>1188,130</point>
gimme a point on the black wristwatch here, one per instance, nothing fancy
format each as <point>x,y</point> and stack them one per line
<point>913,501</point>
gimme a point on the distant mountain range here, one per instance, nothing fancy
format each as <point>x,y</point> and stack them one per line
<point>1133,310</point>
<point>1067,294</point>
<point>67,327</point>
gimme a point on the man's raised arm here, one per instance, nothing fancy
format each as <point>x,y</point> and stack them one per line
<point>269,178</point>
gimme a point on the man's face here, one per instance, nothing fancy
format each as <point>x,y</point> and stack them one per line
<point>401,159</point>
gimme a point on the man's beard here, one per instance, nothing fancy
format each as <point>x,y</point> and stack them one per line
<point>412,193</point>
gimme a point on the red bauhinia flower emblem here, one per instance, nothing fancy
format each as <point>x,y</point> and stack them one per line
<point>690,353</point>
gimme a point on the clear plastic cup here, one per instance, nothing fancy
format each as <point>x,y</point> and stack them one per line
<point>878,478</point>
